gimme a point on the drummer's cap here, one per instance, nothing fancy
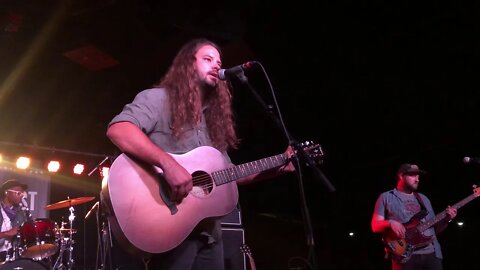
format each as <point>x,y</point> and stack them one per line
<point>12,183</point>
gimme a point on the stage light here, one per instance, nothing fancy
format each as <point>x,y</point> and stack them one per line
<point>1,158</point>
<point>23,163</point>
<point>104,171</point>
<point>78,168</point>
<point>53,166</point>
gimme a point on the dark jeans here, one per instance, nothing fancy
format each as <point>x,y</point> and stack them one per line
<point>194,253</point>
<point>419,262</point>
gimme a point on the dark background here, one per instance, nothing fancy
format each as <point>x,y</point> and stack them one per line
<point>374,83</point>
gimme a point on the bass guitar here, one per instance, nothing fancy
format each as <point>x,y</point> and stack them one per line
<point>401,249</point>
<point>144,219</point>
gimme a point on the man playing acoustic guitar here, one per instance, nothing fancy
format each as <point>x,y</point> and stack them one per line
<point>399,214</point>
<point>188,112</point>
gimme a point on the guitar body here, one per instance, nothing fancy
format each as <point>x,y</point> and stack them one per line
<point>402,248</point>
<point>142,218</point>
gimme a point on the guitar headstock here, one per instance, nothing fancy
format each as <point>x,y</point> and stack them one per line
<point>246,250</point>
<point>313,150</point>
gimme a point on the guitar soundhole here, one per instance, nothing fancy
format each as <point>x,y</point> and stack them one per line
<point>202,183</point>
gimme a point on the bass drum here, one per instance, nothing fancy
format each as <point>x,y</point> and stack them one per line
<point>24,264</point>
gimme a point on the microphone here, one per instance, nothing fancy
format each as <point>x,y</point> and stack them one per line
<point>225,74</point>
<point>25,208</point>
<point>95,206</point>
<point>468,160</point>
<point>24,204</point>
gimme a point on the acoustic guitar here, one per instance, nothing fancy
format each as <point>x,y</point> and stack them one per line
<point>143,217</point>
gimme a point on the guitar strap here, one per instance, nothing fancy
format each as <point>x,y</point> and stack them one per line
<point>420,201</point>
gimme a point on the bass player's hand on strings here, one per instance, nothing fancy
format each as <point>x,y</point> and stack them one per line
<point>451,212</point>
<point>397,228</point>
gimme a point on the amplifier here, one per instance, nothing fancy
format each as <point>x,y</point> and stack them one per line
<point>234,218</point>
<point>233,240</point>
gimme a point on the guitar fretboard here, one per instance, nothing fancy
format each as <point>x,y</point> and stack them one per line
<point>422,227</point>
<point>249,168</point>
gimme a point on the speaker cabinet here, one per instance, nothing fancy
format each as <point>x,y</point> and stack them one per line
<point>233,240</point>
<point>234,218</point>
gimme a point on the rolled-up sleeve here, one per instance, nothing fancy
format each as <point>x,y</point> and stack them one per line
<point>144,110</point>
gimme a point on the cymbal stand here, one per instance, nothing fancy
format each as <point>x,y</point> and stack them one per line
<point>59,262</point>
<point>67,245</point>
<point>70,248</point>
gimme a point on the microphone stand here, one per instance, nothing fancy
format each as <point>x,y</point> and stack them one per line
<point>16,241</point>
<point>26,210</point>
<point>300,155</point>
<point>98,166</point>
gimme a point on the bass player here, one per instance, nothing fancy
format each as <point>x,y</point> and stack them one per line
<point>395,215</point>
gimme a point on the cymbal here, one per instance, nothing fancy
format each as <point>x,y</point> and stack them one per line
<point>68,203</point>
<point>65,230</point>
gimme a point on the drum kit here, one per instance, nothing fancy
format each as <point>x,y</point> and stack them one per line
<point>42,244</point>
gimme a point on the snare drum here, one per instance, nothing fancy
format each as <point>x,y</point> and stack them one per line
<point>38,239</point>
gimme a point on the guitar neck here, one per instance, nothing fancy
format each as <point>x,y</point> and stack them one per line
<point>236,172</point>
<point>252,262</point>
<point>422,227</point>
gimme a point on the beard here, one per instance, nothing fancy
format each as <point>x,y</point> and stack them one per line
<point>412,187</point>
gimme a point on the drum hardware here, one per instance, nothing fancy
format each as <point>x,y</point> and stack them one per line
<point>14,252</point>
<point>23,263</point>
<point>64,230</point>
<point>66,244</point>
<point>37,239</point>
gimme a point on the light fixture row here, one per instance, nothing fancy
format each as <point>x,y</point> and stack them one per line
<point>52,166</point>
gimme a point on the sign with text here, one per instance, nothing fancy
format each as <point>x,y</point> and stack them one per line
<point>38,192</point>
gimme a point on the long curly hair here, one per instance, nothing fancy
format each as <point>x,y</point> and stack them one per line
<point>185,96</point>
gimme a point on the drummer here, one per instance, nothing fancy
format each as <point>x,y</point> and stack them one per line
<point>12,216</point>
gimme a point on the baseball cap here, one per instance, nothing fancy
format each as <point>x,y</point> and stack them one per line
<point>411,169</point>
<point>12,183</point>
